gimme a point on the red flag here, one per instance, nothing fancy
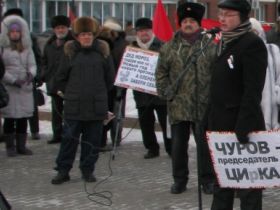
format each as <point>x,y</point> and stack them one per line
<point>161,25</point>
<point>72,11</point>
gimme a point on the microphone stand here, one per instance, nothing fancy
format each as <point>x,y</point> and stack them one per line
<point>119,105</point>
<point>171,92</point>
<point>198,134</point>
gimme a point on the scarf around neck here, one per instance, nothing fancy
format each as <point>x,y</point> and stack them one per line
<point>145,46</point>
<point>230,36</point>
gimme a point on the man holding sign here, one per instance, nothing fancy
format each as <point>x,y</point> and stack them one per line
<point>146,103</point>
<point>236,89</point>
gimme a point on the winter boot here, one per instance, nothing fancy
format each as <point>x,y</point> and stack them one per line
<point>61,177</point>
<point>10,145</point>
<point>21,142</point>
<point>88,177</point>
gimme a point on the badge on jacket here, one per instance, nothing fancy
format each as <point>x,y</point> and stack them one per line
<point>230,62</point>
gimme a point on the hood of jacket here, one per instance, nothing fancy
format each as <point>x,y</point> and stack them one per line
<point>25,33</point>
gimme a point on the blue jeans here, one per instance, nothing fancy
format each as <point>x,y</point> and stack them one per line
<point>91,134</point>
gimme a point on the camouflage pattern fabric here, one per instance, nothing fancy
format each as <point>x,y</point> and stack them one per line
<point>172,59</point>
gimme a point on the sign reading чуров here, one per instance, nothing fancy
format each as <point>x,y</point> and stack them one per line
<point>137,70</point>
<point>252,165</point>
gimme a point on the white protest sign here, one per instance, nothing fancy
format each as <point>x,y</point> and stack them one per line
<point>252,165</point>
<point>137,70</point>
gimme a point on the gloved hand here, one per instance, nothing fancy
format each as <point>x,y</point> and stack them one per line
<point>29,78</point>
<point>242,137</point>
<point>18,83</point>
<point>39,83</point>
<point>60,93</point>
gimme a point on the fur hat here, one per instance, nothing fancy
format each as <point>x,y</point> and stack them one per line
<point>113,24</point>
<point>86,24</point>
<point>243,6</point>
<point>191,10</point>
<point>143,23</point>
<point>13,11</point>
<point>60,20</point>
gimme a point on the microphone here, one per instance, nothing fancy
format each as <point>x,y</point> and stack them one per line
<point>212,31</point>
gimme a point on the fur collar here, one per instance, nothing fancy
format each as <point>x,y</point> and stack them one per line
<point>73,46</point>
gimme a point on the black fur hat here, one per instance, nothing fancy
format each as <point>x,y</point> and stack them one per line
<point>13,11</point>
<point>60,20</point>
<point>143,23</point>
<point>86,24</point>
<point>243,6</point>
<point>191,10</point>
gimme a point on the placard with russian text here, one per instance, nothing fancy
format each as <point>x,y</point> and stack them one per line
<point>137,70</point>
<point>252,165</point>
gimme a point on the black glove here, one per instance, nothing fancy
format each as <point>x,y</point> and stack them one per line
<point>242,137</point>
<point>39,83</point>
<point>18,83</point>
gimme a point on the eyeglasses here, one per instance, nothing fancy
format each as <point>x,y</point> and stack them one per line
<point>226,15</point>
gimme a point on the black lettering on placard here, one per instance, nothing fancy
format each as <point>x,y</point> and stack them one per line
<point>231,148</point>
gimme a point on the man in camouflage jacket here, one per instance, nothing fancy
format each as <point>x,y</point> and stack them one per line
<point>188,102</point>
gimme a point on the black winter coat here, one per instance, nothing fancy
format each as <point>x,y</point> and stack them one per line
<point>236,87</point>
<point>85,76</point>
<point>145,99</point>
<point>50,62</point>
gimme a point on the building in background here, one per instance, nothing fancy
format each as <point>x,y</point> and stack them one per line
<point>38,12</point>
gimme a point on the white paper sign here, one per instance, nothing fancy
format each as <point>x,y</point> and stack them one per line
<point>252,165</point>
<point>137,70</point>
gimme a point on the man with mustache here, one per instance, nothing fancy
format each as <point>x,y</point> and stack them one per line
<point>187,103</point>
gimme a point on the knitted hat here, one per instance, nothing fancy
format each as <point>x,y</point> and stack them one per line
<point>15,26</point>
<point>86,24</point>
<point>60,20</point>
<point>113,24</point>
<point>143,23</point>
<point>243,6</point>
<point>13,11</point>
<point>190,10</point>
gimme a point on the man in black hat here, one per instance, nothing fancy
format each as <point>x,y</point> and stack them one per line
<point>239,72</point>
<point>187,104</point>
<point>52,52</point>
<point>147,104</point>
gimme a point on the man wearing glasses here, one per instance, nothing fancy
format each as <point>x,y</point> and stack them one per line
<point>237,82</point>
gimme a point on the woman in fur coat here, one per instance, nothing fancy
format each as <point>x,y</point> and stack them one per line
<point>20,66</point>
<point>271,87</point>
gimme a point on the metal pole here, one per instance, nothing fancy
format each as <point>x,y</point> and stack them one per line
<point>1,10</point>
<point>276,10</point>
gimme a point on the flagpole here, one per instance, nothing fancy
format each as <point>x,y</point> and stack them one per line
<point>1,10</point>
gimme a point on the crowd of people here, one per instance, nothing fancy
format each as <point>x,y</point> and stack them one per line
<point>229,85</point>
